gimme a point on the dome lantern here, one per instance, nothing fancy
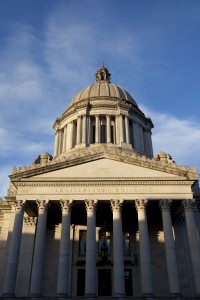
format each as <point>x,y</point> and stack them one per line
<point>102,74</point>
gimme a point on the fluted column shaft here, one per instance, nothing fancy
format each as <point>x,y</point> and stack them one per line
<point>69,138</point>
<point>63,265</point>
<point>121,129</point>
<point>145,257</point>
<point>38,258</point>
<point>118,251</point>
<point>97,129</point>
<point>13,258</point>
<point>84,129</point>
<point>64,139</point>
<point>194,244</point>
<point>141,138</point>
<point>90,276</point>
<point>170,251</point>
<point>56,143</point>
<point>78,132</point>
<point>108,129</point>
<point>127,129</point>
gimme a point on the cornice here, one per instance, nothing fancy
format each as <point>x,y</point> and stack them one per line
<point>83,155</point>
<point>90,182</point>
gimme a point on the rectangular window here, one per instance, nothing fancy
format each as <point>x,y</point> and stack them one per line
<point>103,133</point>
<point>82,242</point>
<point>126,242</point>
<point>93,134</point>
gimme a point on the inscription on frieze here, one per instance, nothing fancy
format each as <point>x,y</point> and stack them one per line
<point>77,190</point>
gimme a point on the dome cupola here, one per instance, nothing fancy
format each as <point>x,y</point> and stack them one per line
<point>103,113</point>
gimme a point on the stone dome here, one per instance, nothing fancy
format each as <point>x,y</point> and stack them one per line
<point>102,88</point>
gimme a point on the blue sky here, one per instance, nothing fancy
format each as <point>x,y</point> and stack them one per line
<point>50,49</point>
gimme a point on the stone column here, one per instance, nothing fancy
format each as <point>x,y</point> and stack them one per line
<point>118,251</point>
<point>13,257</point>
<point>97,138</point>
<point>108,129</point>
<point>170,250</point>
<point>78,131</point>
<point>136,140</point>
<point>145,257</point>
<point>38,257</point>
<point>127,129</point>
<point>64,139</point>
<point>69,139</point>
<point>193,239</point>
<point>121,129</point>
<point>63,266</point>
<point>90,265</point>
<point>56,143</point>
<point>141,133</point>
<point>84,130</point>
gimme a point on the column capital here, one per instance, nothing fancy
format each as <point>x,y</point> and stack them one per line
<point>165,204</point>
<point>42,205</point>
<point>116,205</point>
<point>188,204</point>
<point>141,204</point>
<point>90,205</point>
<point>18,205</point>
<point>66,205</point>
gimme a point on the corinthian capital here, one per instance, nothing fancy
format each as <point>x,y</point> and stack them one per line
<point>116,205</point>
<point>141,204</point>
<point>42,205</point>
<point>66,205</point>
<point>18,205</point>
<point>188,205</point>
<point>165,204</point>
<point>90,205</point>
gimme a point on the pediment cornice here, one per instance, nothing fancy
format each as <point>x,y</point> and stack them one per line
<point>83,155</point>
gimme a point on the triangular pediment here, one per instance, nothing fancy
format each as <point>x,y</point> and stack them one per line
<point>106,168</point>
<point>104,162</point>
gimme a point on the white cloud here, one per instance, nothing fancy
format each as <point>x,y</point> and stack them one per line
<point>179,138</point>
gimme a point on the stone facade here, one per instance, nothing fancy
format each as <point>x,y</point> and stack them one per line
<point>103,217</point>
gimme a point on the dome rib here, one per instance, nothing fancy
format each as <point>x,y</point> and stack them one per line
<point>102,89</point>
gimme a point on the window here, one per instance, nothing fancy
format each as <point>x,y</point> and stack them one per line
<point>82,242</point>
<point>126,242</point>
<point>104,236</point>
<point>103,133</point>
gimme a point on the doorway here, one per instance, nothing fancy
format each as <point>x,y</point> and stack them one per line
<point>81,282</point>
<point>104,282</point>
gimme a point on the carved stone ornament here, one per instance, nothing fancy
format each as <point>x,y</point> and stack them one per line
<point>18,205</point>
<point>166,164</point>
<point>90,205</point>
<point>165,204</point>
<point>188,205</point>
<point>102,74</point>
<point>30,221</point>
<point>42,205</point>
<point>116,205</point>
<point>141,204</point>
<point>66,205</point>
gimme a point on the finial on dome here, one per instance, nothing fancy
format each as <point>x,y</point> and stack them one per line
<point>102,74</point>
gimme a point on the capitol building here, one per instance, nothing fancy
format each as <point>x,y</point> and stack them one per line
<point>103,217</point>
